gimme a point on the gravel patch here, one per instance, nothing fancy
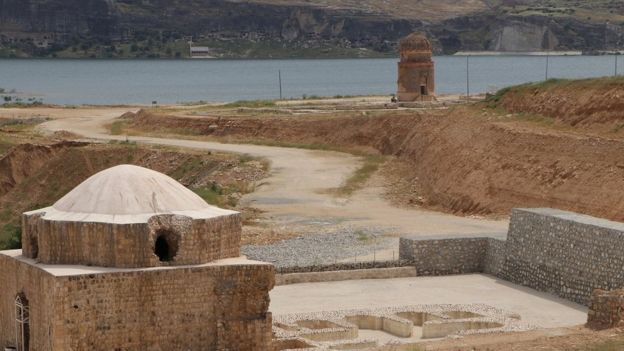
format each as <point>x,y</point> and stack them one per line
<point>321,249</point>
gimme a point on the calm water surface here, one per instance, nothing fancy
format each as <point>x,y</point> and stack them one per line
<point>170,81</point>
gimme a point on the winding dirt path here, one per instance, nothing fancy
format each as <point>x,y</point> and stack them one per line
<point>295,193</point>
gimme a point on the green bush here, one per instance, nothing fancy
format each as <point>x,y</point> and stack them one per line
<point>10,237</point>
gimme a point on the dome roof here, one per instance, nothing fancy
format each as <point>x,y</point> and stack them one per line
<point>128,193</point>
<point>415,41</point>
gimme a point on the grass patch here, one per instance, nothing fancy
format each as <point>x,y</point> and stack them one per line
<point>194,103</point>
<point>357,180</point>
<point>493,100</point>
<point>117,127</point>
<point>618,128</point>
<point>223,196</point>
<point>533,118</point>
<point>250,104</point>
<point>211,194</point>
<point>244,158</point>
<point>364,237</point>
<point>127,143</point>
<point>322,147</point>
<point>21,104</point>
<point>5,146</point>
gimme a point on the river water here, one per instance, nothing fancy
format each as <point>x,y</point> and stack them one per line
<point>77,82</point>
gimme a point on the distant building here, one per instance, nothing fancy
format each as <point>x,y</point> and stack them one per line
<point>416,80</point>
<point>199,51</point>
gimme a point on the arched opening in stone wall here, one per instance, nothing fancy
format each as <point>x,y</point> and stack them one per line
<point>22,323</point>
<point>166,245</point>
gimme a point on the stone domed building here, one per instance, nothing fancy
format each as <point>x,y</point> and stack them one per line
<point>416,69</point>
<point>132,260</point>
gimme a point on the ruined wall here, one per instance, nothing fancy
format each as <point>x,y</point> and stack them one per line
<point>606,309</point>
<point>220,306</point>
<point>131,245</point>
<point>38,287</point>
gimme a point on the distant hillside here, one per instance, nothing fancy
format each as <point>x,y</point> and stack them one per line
<point>301,28</point>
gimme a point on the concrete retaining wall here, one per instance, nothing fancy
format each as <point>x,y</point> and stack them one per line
<point>495,255</point>
<point>331,276</point>
<point>345,266</point>
<point>563,253</point>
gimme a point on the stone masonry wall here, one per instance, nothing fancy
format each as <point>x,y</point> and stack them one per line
<point>130,245</point>
<point>562,253</point>
<point>15,278</point>
<point>444,256</point>
<point>221,307</point>
<point>494,259</point>
<point>214,307</point>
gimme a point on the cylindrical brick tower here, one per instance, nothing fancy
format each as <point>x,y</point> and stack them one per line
<point>416,70</point>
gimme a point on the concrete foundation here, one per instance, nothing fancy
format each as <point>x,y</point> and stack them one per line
<point>398,326</point>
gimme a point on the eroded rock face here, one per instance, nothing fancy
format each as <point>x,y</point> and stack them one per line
<point>524,37</point>
<point>40,28</point>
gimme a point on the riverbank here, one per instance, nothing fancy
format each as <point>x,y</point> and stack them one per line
<point>142,82</point>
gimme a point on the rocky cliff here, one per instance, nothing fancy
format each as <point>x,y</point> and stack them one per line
<point>162,28</point>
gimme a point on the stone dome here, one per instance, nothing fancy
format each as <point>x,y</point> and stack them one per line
<point>415,42</point>
<point>129,193</point>
<point>128,217</point>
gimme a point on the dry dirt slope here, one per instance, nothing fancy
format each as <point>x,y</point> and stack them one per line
<point>591,104</point>
<point>471,160</point>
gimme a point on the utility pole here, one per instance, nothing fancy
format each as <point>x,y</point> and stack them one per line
<point>467,77</point>
<point>616,63</point>
<point>280,82</point>
<point>547,58</point>
<point>606,34</point>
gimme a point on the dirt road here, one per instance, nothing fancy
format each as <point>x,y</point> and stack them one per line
<point>296,192</point>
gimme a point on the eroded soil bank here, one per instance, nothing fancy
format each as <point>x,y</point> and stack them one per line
<point>592,104</point>
<point>468,160</point>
